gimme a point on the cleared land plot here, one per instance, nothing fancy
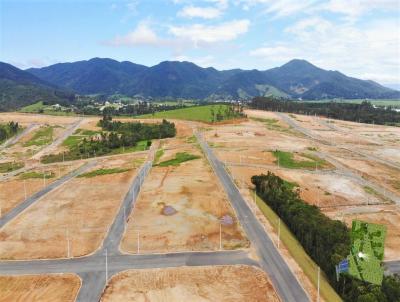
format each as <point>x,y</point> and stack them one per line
<point>180,207</point>
<point>12,191</point>
<point>79,212</point>
<point>51,288</point>
<point>197,284</point>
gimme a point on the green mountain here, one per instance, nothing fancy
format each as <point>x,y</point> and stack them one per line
<point>19,88</point>
<point>171,79</point>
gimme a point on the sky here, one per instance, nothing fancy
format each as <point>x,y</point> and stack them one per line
<point>360,38</point>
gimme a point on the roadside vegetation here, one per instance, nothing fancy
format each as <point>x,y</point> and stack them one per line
<point>117,137</point>
<point>273,124</point>
<point>10,166</point>
<point>159,153</point>
<point>207,113</point>
<point>326,241</point>
<point>286,160</point>
<point>43,136</point>
<point>362,113</point>
<point>34,174</point>
<point>180,157</point>
<point>8,130</point>
<point>104,172</point>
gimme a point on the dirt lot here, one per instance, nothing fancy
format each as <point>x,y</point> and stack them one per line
<point>43,288</point>
<point>195,284</point>
<point>12,191</point>
<point>78,212</point>
<point>197,203</point>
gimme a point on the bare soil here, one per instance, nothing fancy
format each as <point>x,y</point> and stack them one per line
<point>12,191</point>
<point>43,288</point>
<point>79,212</point>
<point>196,284</point>
<point>194,192</point>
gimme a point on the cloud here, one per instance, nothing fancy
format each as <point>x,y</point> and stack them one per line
<point>142,35</point>
<point>280,8</point>
<point>370,52</point>
<point>200,12</point>
<point>199,33</point>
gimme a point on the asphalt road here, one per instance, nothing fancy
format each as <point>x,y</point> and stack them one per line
<point>35,197</point>
<point>392,267</point>
<point>283,279</point>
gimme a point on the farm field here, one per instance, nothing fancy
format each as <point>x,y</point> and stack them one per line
<point>12,190</point>
<point>75,215</point>
<point>180,207</point>
<point>43,288</point>
<point>197,284</point>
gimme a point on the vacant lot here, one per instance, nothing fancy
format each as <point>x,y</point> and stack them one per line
<point>195,284</point>
<point>43,288</point>
<point>180,208</point>
<point>76,214</point>
<point>12,191</point>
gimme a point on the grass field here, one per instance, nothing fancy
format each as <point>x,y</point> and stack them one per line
<point>296,250</point>
<point>286,160</point>
<point>74,139</point>
<point>39,107</point>
<point>43,136</point>
<point>34,174</point>
<point>104,172</point>
<point>10,166</point>
<point>193,113</point>
<point>159,153</point>
<point>180,157</point>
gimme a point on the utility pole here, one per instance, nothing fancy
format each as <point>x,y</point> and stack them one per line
<point>138,242</point>
<point>106,266</point>
<point>25,189</point>
<point>220,236</point>
<point>44,178</point>
<point>68,248</point>
<point>279,231</point>
<point>319,273</point>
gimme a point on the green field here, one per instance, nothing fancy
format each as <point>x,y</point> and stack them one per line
<point>298,253</point>
<point>159,153</point>
<point>74,139</point>
<point>43,136</point>
<point>286,160</point>
<point>39,107</point>
<point>104,172</point>
<point>10,166</point>
<point>193,113</point>
<point>367,250</point>
<point>180,157</point>
<point>34,174</point>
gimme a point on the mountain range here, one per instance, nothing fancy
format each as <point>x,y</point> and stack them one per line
<point>172,79</point>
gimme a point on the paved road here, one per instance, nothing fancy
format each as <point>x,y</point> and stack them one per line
<point>392,267</point>
<point>16,138</point>
<point>35,197</point>
<point>70,130</point>
<point>283,279</point>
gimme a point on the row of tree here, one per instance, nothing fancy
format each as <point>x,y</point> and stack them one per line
<point>363,113</point>
<point>115,135</point>
<point>230,112</point>
<point>327,241</point>
<point>8,130</point>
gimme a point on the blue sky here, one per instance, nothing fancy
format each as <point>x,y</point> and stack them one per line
<point>359,38</point>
